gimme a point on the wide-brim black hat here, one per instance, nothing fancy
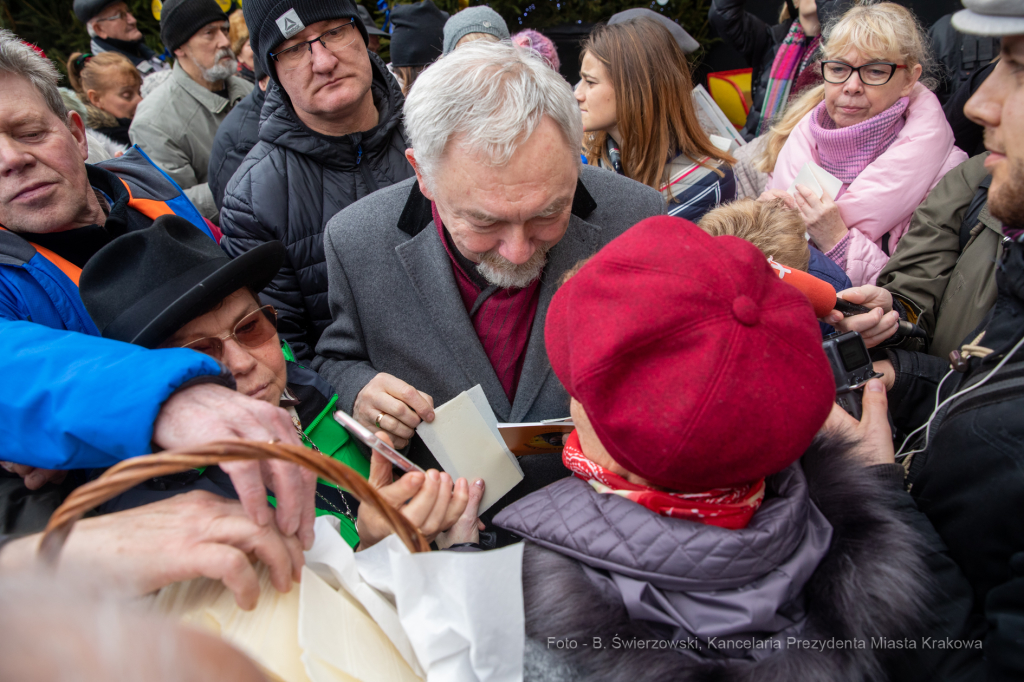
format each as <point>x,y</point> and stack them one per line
<point>146,285</point>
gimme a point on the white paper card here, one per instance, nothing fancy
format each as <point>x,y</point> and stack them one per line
<point>462,611</point>
<point>464,439</point>
<point>819,180</point>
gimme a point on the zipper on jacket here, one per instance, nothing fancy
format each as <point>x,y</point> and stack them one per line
<point>359,154</point>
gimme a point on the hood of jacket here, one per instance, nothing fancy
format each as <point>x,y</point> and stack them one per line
<point>694,578</point>
<point>280,126</point>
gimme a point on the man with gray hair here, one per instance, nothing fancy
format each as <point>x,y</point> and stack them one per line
<point>77,400</point>
<point>441,283</point>
<point>176,123</point>
<point>112,28</point>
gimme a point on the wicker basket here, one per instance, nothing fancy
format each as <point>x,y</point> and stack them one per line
<point>131,472</point>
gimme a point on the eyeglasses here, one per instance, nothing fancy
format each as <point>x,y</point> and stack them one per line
<point>114,17</point>
<point>252,331</point>
<point>335,40</point>
<point>875,73</point>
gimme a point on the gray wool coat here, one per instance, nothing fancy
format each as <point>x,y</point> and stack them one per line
<point>396,307</point>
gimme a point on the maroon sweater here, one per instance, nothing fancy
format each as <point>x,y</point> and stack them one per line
<point>502,318</point>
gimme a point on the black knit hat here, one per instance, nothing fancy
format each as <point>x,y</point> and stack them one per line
<point>271,22</point>
<point>418,34</point>
<point>87,9</point>
<point>144,286</point>
<point>180,19</point>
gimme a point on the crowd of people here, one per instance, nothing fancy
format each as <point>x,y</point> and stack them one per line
<point>269,224</point>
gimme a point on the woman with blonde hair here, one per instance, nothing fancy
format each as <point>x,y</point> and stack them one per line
<point>879,130</point>
<point>639,117</point>
<point>108,85</point>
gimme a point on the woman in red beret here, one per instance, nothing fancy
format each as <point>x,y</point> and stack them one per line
<point>713,528</point>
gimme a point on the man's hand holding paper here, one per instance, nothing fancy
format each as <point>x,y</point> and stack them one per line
<point>391,405</point>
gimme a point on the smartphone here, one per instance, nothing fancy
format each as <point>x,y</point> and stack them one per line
<point>375,444</point>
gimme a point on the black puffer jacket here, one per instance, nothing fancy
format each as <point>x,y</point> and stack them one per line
<point>238,133</point>
<point>756,41</point>
<point>293,182</point>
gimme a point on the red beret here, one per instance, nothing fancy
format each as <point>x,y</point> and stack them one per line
<point>697,366</point>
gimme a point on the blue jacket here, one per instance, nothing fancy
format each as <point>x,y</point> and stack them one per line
<point>70,398</point>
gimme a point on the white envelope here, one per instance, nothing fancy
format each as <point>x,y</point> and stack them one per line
<point>819,180</point>
<point>465,440</point>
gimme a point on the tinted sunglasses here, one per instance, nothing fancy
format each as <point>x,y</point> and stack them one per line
<point>252,331</point>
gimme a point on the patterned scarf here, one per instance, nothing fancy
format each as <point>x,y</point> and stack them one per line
<point>729,508</point>
<point>792,58</point>
<point>845,152</point>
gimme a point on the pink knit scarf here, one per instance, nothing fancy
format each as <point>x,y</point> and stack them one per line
<point>845,152</point>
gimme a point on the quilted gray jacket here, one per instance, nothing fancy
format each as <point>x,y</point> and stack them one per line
<point>613,591</point>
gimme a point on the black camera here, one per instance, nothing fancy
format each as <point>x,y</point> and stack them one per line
<point>852,368</point>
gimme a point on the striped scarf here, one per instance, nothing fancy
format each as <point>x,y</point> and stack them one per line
<point>792,57</point>
<point>729,508</point>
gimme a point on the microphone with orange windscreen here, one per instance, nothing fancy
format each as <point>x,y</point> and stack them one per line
<point>823,298</point>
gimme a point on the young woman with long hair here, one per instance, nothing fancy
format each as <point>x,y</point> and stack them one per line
<point>640,121</point>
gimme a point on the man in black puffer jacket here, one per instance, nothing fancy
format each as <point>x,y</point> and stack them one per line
<point>330,133</point>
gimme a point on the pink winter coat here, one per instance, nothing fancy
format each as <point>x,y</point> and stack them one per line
<point>883,197</point>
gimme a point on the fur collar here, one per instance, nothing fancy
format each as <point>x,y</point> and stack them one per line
<point>872,583</point>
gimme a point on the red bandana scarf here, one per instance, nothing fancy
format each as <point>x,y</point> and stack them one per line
<point>729,508</point>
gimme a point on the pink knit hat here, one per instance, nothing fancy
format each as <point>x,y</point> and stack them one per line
<point>539,43</point>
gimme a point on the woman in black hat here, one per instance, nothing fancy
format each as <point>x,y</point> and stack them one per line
<point>171,286</point>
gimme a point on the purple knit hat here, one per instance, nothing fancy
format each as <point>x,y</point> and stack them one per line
<point>539,43</point>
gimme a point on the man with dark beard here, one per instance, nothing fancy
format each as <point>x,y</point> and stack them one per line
<point>965,455</point>
<point>175,125</point>
<point>441,283</point>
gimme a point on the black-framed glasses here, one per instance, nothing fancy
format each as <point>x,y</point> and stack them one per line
<point>875,73</point>
<point>252,331</point>
<point>335,40</point>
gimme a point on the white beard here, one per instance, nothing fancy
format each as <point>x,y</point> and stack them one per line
<point>505,275</point>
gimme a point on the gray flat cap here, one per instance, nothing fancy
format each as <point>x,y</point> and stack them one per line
<point>371,28</point>
<point>991,18</point>
<point>685,41</point>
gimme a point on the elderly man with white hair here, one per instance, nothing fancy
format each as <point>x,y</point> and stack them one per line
<point>441,283</point>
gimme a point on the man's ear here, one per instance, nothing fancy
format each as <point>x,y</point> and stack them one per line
<point>77,129</point>
<point>410,154</point>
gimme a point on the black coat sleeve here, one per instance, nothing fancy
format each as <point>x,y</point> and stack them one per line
<point>950,610</point>
<point>747,34</point>
<point>1004,609</point>
<point>912,397</point>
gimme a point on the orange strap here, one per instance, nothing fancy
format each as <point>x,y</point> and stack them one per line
<point>73,272</point>
<point>150,208</point>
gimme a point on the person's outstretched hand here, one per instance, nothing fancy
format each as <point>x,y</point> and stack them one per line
<point>201,414</point>
<point>34,477</point>
<point>196,534</point>
<point>429,500</point>
<point>875,326</point>
<point>871,435</point>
